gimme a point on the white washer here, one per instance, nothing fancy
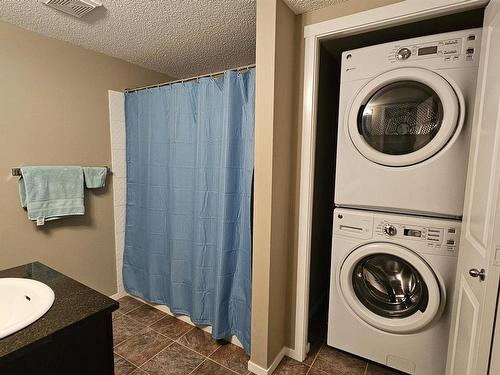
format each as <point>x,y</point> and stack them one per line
<point>391,285</point>
<point>404,124</point>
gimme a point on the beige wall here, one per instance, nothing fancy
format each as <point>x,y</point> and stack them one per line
<point>283,172</point>
<point>274,131</point>
<point>54,110</point>
<point>338,10</point>
<point>280,49</point>
<point>264,107</point>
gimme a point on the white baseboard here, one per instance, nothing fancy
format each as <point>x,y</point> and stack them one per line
<point>119,295</point>
<point>293,354</point>
<point>233,339</point>
<point>256,369</point>
<point>288,352</point>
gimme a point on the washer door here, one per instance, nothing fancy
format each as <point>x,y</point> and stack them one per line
<point>404,116</point>
<point>390,288</point>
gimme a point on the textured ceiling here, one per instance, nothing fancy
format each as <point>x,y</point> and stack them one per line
<point>177,37</point>
<point>302,6</point>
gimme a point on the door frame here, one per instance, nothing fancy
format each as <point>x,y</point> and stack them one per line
<point>378,18</point>
<point>495,347</point>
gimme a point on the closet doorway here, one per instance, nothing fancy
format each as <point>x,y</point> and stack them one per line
<point>319,143</point>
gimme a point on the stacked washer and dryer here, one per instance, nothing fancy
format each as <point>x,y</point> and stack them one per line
<point>402,150</point>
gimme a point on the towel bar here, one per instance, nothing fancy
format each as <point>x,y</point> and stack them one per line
<point>17,171</point>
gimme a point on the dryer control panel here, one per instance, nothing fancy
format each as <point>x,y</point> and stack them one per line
<point>457,49</point>
<point>453,49</point>
<point>436,238</point>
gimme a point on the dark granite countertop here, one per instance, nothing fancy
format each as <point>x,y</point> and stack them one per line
<point>73,303</point>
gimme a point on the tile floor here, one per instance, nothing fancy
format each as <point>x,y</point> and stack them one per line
<point>148,341</point>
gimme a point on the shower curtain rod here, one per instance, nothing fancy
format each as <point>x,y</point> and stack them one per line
<point>189,79</point>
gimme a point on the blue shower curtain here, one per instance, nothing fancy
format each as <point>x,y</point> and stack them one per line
<point>189,188</point>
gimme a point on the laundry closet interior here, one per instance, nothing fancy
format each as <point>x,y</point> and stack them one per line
<point>332,55</point>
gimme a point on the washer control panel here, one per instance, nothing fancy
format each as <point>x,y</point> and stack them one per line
<point>390,230</point>
<point>436,238</point>
<point>447,49</point>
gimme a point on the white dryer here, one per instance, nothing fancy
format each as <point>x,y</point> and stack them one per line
<point>404,124</point>
<point>391,285</point>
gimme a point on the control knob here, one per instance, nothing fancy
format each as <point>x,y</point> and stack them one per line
<point>390,229</point>
<point>403,54</point>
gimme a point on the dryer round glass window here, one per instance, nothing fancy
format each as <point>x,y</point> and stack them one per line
<point>404,116</point>
<point>401,118</point>
<point>390,287</point>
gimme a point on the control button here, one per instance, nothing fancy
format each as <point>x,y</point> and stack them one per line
<point>403,54</point>
<point>390,230</point>
<point>450,242</point>
<point>452,230</point>
<point>471,37</point>
<point>469,51</point>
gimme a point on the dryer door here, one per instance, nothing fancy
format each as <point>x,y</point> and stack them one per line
<point>404,116</point>
<point>390,287</point>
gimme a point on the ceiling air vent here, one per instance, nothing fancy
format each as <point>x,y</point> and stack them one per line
<point>77,8</point>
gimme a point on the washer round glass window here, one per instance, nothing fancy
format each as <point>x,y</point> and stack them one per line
<point>400,118</point>
<point>389,286</point>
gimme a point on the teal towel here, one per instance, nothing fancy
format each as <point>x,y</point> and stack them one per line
<point>95,177</point>
<point>49,193</point>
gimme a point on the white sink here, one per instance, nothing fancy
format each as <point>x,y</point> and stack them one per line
<point>22,301</point>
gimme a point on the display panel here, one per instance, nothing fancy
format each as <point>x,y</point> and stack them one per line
<point>413,232</point>
<point>427,50</point>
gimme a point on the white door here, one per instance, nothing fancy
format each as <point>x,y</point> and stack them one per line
<point>477,280</point>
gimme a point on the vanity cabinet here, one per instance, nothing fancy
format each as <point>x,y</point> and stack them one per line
<point>74,337</point>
